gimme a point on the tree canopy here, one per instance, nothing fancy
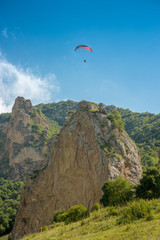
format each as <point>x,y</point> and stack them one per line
<point>118,191</point>
<point>149,186</point>
<point>9,202</point>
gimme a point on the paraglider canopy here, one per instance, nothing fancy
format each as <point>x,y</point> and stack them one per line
<point>84,46</point>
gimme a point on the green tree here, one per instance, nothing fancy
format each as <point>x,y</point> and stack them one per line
<point>118,191</point>
<point>149,186</point>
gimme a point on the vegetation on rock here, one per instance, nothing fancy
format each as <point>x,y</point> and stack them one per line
<point>2,139</point>
<point>5,169</point>
<point>116,120</point>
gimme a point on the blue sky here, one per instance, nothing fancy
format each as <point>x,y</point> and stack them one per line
<point>38,61</point>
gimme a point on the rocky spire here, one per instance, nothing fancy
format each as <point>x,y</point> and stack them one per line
<point>87,152</point>
<point>24,145</point>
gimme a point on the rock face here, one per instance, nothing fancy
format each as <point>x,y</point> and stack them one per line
<point>87,152</point>
<point>23,146</point>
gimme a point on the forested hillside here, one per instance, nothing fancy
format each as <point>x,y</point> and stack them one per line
<point>9,202</point>
<point>144,129</point>
<point>58,111</point>
<point>4,117</point>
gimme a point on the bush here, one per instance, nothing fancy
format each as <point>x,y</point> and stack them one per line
<point>118,191</point>
<point>59,216</point>
<point>44,228</point>
<point>136,210</point>
<point>74,214</point>
<point>77,213</point>
<point>112,211</point>
<point>96,207</point>
<point>83,223</point>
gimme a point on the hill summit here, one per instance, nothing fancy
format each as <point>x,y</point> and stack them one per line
<point>89,150</point>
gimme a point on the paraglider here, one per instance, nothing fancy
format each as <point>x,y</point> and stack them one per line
<point>84,47</point>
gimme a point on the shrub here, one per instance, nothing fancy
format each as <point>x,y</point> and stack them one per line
<point>96,215</point>
<point>44,228</point>
<point>112,211</point>
<point>77,213</point>
<point>74,214</point>
<point>118,191</point>
<point>59,216</point>
<point>96,207</point>
<point>136,210</point>
<point>83,223</point>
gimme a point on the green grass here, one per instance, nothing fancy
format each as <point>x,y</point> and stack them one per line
<point>102,225</point>
<point>98,229</point>
<point>4,237</point>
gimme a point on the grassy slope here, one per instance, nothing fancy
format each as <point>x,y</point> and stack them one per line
<point>99,226</point>
<point>96,229</point>
<point>4,237</point>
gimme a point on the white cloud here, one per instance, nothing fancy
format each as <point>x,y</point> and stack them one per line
<point>4,33</point>
<point>15,81</point>
<point>3,107</point>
